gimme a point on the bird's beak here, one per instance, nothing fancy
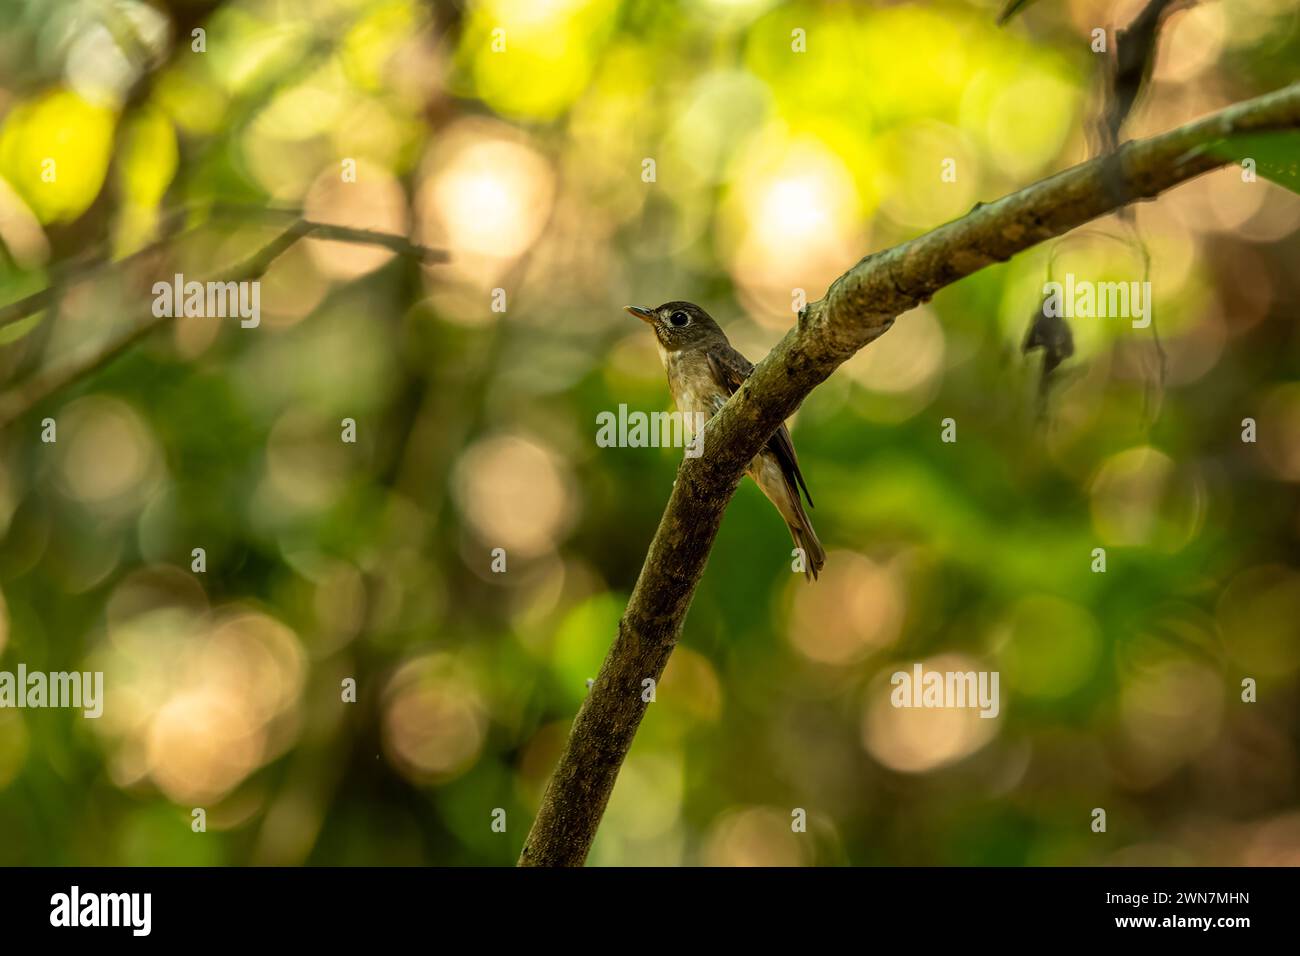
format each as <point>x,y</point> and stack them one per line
<point>645,315</point>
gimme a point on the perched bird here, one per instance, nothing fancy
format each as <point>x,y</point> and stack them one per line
<point>703,370</point>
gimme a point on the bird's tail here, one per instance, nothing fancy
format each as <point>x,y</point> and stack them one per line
<point>806,538</point>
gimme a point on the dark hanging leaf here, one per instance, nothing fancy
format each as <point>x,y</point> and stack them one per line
<point>1052,334</point>
<point>1135,54</point>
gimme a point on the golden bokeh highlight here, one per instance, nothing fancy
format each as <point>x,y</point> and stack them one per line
<point>1190,43</point>
<point>108,460</point>
<point>1170,711</point>
<point>754,836</point>
<point>1275,842</point>
<point>376,201</point>
<point>294,287</point>
<point>924,739</point>
<point>485,195</point>
<point>200,746</point>
<point>905,364</point>
<point>260,658</point>
<point>1143,497</point>
<point>22,235</point>
<point>792,218</point>
<point>434,719</point>
<point>516,493</point>
<point>196,701</point>
<point>857,607</point>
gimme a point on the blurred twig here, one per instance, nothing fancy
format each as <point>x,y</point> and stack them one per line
<point>69,271</point>
<point>321,230</point>
<point>18,310</point>
<point>1011,9</point>
<point>22,397</point>
<point>860,306</point>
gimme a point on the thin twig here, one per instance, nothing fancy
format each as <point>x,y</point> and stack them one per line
<point>18,310</point>
<point>82,266</point>
<point>18,400</point>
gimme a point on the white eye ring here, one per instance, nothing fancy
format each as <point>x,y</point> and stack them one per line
<point>680,319</point>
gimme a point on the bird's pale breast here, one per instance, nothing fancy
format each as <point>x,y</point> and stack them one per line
<point>690,379</point>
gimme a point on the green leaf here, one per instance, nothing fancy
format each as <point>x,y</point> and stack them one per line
<point>1276,155</point>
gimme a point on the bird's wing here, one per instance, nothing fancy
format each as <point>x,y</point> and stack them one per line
<point>731,369</point>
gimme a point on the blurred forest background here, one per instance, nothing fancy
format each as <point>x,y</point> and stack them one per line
<point>774,170</point>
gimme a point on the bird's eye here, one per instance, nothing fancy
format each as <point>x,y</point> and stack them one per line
<point>679,319</point>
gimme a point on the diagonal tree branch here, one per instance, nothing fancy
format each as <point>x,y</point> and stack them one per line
<point>860,306</point>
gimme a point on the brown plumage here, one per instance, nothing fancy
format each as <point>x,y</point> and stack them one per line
<point>703,370</point>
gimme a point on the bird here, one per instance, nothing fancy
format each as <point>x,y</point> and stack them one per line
<point>703,371</point>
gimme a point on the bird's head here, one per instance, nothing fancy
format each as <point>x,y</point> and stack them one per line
<point>679,325</point>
